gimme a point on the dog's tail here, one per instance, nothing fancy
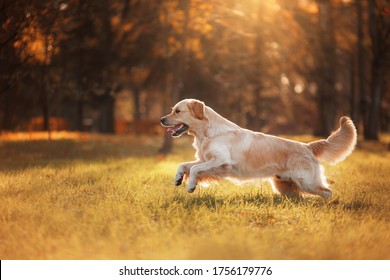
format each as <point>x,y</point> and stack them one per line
<point>339,144</point>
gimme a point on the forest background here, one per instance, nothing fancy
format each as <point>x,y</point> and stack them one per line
<point>117,66</point>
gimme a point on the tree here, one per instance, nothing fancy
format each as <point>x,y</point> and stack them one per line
<point>379,30</point>
<point>12,19</point>
<point>361,68</point>
<point>177,62</point>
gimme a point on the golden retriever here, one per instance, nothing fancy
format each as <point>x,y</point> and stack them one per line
<point>225,150</point>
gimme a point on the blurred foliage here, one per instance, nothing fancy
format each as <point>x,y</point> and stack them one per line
<point>270,65</point>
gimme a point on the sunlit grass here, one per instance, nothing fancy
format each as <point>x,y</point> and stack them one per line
<point>113,198</point>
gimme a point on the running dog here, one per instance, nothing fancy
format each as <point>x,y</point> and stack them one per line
<point>225,150</point>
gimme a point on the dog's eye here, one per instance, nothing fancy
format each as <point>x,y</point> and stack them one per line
<point>177,111</point>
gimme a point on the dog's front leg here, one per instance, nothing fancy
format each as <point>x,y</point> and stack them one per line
<point>182,170</point>
<point>213,166</point>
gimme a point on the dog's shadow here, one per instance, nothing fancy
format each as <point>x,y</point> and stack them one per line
<point>214,201</point>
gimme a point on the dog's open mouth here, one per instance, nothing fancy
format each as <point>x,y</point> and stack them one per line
<point>177,130</point>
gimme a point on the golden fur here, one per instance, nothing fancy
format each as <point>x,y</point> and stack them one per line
<point>225,150</point>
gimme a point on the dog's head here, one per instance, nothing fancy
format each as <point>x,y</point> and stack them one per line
<point>186,115</point>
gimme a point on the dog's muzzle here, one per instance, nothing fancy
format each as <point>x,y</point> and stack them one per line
<point>175,130</point>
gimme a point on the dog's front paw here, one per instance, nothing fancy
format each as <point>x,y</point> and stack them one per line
<point>191,186</point>
<point>191,189</point>
<point>178,179</point>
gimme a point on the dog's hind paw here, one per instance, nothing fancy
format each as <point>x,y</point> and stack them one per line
<point>326,193</point>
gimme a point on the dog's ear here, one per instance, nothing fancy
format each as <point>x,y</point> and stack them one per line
<point>196,108</point>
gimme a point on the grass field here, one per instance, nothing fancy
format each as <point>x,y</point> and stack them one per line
<point>102,197</point>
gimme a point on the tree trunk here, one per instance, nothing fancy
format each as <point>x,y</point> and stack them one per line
<point>178,68</point>
<point>106,108</point>
<point>45,103</point>
<point>354,104</point>
<point>137,107</point>
<point>361,67</point>
<point>80,113</point>
<point>258,85</point>
<point>7,124</point>
<point>136,93</point>
<point>326,104</point>
<point>46,115</point>
<point>371,131</point>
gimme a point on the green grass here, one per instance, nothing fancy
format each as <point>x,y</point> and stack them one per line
<point>113,198</point>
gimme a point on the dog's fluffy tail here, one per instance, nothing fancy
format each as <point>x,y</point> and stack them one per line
<point>339,144</point>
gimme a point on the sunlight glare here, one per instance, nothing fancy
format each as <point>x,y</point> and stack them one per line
<point>298,88</point>
<point>284,80</point>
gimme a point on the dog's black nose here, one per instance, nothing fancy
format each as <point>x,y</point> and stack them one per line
<point>162,120</point>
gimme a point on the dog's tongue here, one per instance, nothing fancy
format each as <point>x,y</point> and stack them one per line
<point>172,129</point>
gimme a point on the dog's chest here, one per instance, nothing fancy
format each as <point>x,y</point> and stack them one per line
<point>202,147</point>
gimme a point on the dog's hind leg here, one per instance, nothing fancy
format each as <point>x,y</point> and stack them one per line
<point>285,187</point>
<point>309,178</point>
<point>318,185</point>
<point>315,184</point>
